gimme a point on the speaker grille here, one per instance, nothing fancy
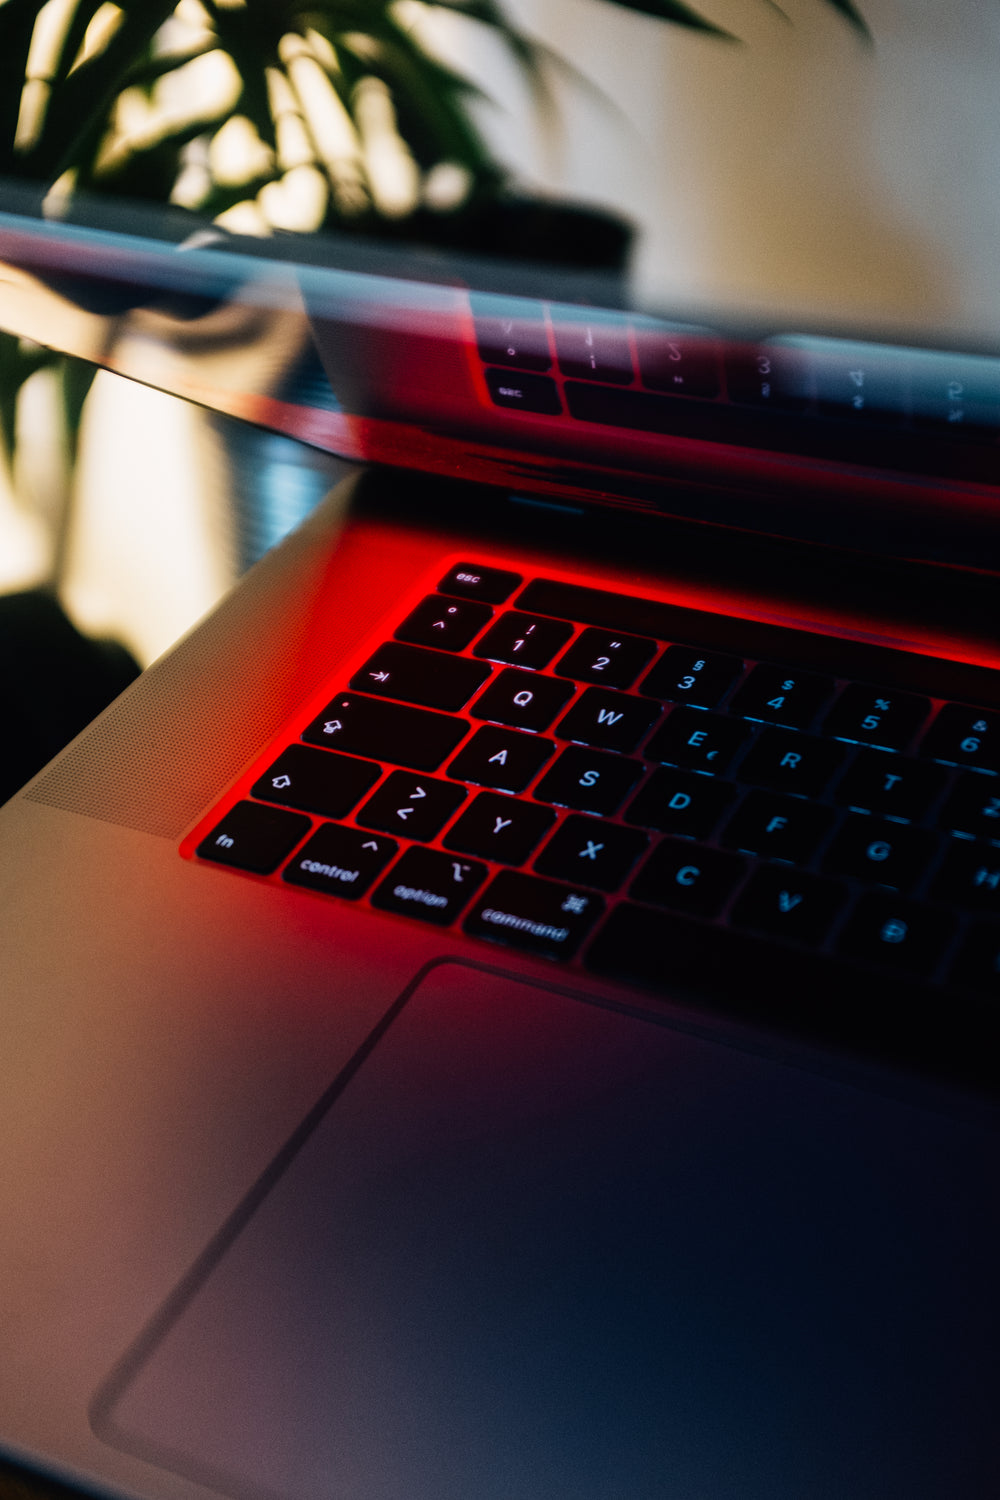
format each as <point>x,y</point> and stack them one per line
<point>164,751</point>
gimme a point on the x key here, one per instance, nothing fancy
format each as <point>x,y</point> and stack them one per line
<point>588,851</point>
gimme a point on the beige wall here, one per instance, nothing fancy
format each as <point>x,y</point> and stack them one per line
<point>799,168</point>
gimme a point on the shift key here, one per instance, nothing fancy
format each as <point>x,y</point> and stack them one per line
<point>411,737</point>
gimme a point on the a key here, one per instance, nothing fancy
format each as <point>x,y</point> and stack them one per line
<point>502,759</point>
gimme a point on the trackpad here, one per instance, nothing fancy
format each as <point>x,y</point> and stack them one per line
<point>534,1249</point>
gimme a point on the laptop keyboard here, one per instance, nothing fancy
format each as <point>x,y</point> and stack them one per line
<point>559,769</point>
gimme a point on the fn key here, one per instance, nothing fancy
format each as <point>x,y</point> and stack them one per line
<point>253,837</point>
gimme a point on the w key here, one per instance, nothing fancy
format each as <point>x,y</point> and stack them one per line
<point>608,720</point>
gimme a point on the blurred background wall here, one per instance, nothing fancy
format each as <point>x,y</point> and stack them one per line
<point>795,169</point>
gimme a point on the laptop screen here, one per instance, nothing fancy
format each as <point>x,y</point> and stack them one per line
<point>725,280</point>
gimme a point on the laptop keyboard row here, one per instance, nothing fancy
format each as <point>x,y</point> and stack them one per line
<point>520,760</point>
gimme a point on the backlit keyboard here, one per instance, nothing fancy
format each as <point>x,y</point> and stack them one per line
<point>660,795</point>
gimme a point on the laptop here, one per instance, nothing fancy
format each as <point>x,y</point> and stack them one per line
<point>505,1009</point>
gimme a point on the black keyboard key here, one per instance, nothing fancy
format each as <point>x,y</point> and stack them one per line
<point>430,678</point>
<point>880,852</point>
<point>689,878</point>
<point>592,852</point>
<point>789,904</point>
<point>778,827</point>
<point>974,806</point>
<point>500,828</point>
<point>965,737</point>
<point>903,935</point>
<point>892,784</point>
<point>534,914</point>
<point>970,876</point>
<point>519,392</point>
<point>767,376</point>
<point>593,349</point>
<point>523,699</point>
<point>502,759</point>
<point>698,741</point>
<point>429,885</point>
<point>415,806</point>
<point>790,762</point>
<point>447,624</point>
<point>503,339</point>
<point>977,963</point>
<point>782,695</point>
<point>682,802</point>
<point>589,780</point>
<point>834,998</point>
<point>254,837</point>
<point>608,720</point>
<point>524,640</point>
<point>386,731</point>
<point>876,716</point>
<point>684,675</point>
<point>316,781</point>
<point>494,585</point>
<point>681,364</point>
<point>340,861</point>
<point>608,657</point>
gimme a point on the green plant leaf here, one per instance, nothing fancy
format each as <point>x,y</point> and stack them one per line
<point>18,362</point>
<point>851,14</point>
<point>80,108</point>
<point>17,22</point>
<point>150,69</point>
<point>76,377</point>
<point>676,13</point>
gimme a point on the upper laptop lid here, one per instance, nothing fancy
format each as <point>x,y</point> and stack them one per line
<point>773,334</point>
